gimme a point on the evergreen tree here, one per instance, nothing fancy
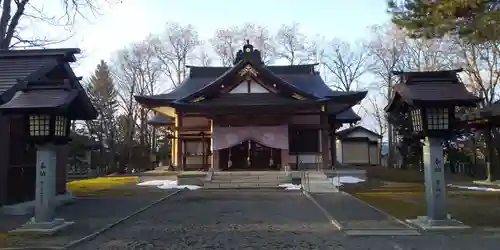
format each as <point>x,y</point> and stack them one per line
<point>103,94</point>
<point>473,20</point>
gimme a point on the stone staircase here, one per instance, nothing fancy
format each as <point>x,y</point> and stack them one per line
<point>247,179</point>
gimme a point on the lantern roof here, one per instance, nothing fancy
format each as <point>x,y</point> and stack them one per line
<point>431,88</point>
<point>50,86</point>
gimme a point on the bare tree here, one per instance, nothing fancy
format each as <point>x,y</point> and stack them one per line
<point>387,47</point>
<point>376,112</point>
<point>137,72</point>
<point>481,64</point>
<point>392,50</point>
<point>203,58</point>
<point>260,38</point>
<point>174,48</point>
<point>344,64</point>
<point>226,43</point>
<point>293,46</point>
<point>16,13</point>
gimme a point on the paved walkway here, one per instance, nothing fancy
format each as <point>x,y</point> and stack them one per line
<point>350,213</point>
<point>318,183</point>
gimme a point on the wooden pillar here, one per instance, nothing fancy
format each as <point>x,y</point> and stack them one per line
<point>214,158</point>
<point>4,158</point>
<point>490,174</point>
<point>325,152</point>
<point>179,143</point>
<point>61,168</point>
<point>333,144</point>
<point>284,158</point>
<point>173,146</point>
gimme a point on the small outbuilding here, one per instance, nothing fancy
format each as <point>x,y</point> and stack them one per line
<point>358,146</point>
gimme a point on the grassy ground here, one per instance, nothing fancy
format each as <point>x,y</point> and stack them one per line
<point>102,186</point>
<point>401,193</point>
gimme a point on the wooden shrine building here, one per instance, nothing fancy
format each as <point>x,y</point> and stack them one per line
<point>253,116</point>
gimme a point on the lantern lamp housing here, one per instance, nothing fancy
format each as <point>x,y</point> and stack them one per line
<point>432,121</point>
<point>48,128</point>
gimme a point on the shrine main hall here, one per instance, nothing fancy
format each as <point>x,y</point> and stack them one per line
<point>253,116</point>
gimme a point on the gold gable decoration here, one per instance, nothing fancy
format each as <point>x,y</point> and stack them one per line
<point>198,99</point>
<point>248,70</point>
<point>298,97</point>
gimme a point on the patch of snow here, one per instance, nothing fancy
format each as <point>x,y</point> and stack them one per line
<point>339,181</point>
<point>290,186</point>
<point>475,188</point>
<point>168,184</point>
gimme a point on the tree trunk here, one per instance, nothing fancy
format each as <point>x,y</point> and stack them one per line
<point>490,173</point>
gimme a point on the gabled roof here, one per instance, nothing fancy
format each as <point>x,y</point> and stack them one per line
<point>431,87</point>
<point>294,82</point>
<point>346,132</point>
<point>24,65</point>
<point>33,91</point>
<point>263,71</point>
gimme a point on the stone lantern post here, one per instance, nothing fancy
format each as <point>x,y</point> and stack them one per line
<point>48,107</point>
<point>428,101</point>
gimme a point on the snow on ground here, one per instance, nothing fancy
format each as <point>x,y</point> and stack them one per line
<point>167,184</point>
<point>339,181</point>
<point>290,186</point>
<point>478,188</point>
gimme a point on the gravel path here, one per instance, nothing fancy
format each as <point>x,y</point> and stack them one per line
<point>90,214</point>
<point>244,219</point>
<point>225,220</point>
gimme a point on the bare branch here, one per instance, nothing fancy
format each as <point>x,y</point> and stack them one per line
<point>345,64</point>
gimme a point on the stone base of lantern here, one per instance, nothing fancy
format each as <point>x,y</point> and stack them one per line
<point>42,228</point>
<point>426,224</point>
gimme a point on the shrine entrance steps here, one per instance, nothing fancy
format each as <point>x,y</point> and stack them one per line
<point>247,179</point>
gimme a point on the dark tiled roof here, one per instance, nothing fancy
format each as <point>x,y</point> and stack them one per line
<point>433,91</point>
<point>347,131</point>
<point>160,119</point>
<point>68,53</point>
<point>347,116</point>
<point>13,69</point>
<point>431,87</point>
<point>39,99</point>
<point>264,72</point>
<point>248,99</point>
<point>302,77</point>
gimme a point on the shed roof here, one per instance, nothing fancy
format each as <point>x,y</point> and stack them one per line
<point>346,132</point>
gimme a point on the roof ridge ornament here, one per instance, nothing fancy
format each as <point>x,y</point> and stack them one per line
<point>248,53</point>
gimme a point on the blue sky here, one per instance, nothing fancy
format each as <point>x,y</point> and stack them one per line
<point>133,20</point>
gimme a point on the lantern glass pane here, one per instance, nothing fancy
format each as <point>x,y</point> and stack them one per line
<point>437,118</point>
<point>416,118</point>
<point>39,125</point>
<point>60,126</point>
